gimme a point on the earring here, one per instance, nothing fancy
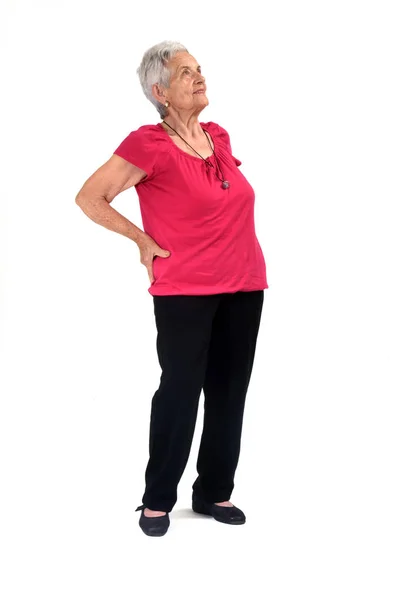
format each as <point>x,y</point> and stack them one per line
<point>167,103</point>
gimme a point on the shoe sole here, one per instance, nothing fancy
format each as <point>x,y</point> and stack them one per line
<point>154,534</point>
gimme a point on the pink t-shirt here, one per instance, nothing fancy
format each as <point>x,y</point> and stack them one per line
<point>208,230</point>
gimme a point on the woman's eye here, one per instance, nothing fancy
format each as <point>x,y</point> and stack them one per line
<point>188,72</point>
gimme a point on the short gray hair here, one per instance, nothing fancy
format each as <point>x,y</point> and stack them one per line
<point>153,70</point>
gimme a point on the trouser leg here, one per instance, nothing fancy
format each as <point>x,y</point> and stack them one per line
<point>184,326</point>
<point>229,366</point>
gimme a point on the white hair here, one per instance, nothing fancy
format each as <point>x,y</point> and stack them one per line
<point>153,70</point>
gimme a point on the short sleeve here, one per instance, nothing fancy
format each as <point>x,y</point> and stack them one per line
<point>140,147</point>
<point>225,139</point>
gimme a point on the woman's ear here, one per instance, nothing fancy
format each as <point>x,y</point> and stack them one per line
<point>158,93</point>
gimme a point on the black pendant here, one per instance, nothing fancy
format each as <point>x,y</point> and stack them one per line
<point>225,184</point>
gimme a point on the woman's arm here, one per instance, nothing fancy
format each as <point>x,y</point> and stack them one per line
<point>96,194</point>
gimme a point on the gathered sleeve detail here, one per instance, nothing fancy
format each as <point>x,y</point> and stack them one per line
<point>224,138</point>
<point>142,148</point>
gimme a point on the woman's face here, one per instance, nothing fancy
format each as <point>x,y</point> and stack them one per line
<point>185,80</point>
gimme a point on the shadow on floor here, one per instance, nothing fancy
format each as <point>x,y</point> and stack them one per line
<point>187,513</point>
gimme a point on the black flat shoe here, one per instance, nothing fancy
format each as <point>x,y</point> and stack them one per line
<point>224,514</point>
<point>154,526</point>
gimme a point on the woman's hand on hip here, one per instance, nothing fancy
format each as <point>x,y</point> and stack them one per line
<point>148,250</point>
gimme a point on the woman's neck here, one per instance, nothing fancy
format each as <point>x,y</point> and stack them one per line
<point>188,129</point>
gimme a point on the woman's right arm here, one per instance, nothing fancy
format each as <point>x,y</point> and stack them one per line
<point>97,193</point>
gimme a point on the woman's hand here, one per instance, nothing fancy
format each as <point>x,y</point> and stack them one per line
<point>148,250</point>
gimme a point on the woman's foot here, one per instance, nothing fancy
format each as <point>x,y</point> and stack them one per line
<point>155,522</point>
<point>226,512</point>
<point>153,513</point>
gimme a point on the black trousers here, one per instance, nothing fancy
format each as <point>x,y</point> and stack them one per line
<point>203,342</point>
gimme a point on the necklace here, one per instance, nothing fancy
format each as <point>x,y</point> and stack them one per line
<point>225,183</point>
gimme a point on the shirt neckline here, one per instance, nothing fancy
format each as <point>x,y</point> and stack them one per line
<point>183,151</point>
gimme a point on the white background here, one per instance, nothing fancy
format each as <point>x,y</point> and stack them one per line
<point>309,93</point>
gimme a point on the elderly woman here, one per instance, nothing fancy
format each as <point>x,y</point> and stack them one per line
<point>207,274</point>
